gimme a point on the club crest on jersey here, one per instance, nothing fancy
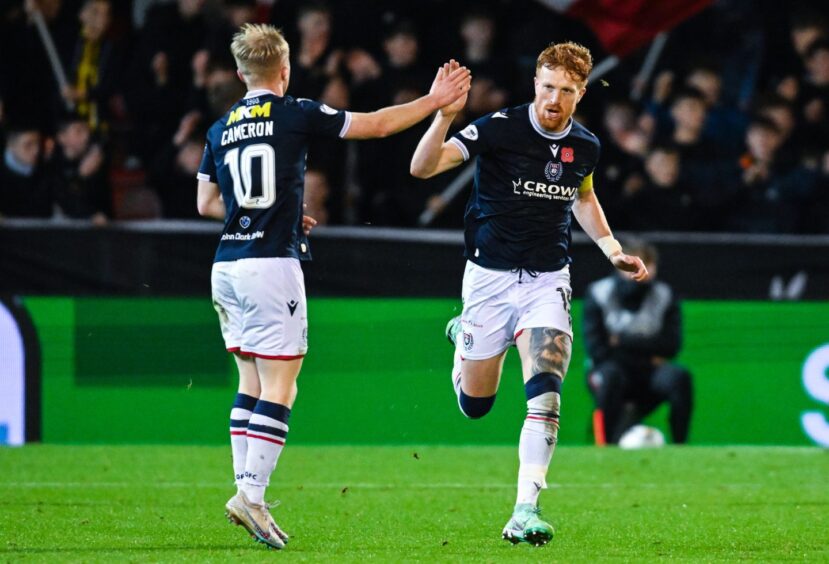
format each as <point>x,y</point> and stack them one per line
<point>468,341</point>
<point>553,171</point>
<point>470,132</point>
<point>567,155</point>
<point>244,221</point>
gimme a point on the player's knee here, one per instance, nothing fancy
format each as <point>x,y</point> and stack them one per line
<point>475,408</point>
<point>542,383</point>
<point>678,377</point>
<point>605,378</point>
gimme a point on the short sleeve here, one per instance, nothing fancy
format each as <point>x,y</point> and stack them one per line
<point>207,169</point>
<point>475,138</point>
<point>325,120</point>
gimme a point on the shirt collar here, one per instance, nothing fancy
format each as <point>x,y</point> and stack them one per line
<point>259,92</point>
<point>545,133</point>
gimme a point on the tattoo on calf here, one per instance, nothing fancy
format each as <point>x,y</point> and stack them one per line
<point>550,350</point>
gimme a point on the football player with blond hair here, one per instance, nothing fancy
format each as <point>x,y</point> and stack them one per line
<point>534,173</point>
<point>252,177</point>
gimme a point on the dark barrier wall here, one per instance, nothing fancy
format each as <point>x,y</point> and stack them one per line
<point>154,371</point>
<point>169,259</point>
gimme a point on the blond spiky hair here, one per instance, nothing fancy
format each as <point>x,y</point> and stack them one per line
<point>260,51</point>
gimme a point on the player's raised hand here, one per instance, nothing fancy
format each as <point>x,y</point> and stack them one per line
<point>452,109</point>
<point>452,82</point>
<point>631,265</point>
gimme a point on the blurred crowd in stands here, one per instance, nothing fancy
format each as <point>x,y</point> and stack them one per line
<point>729,133</point>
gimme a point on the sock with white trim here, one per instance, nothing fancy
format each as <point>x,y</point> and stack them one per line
<point>239,418</point>
<point>267,431</point>
<point>538,435</point>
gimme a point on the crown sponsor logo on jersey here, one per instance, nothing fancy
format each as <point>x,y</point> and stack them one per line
<point>326,109</point>
<point>470,132</point>
<point>249,112</point>
<point>553,171</point>
<point>533,189</point>
<point>244,221</point>
<point>468,341</point>
<point>567,154</point>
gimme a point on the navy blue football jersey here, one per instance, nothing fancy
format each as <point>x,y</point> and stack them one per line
<point>526,180</point>
<point>256,154</point>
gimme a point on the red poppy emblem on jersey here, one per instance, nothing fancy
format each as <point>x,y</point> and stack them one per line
<point>567,155</point>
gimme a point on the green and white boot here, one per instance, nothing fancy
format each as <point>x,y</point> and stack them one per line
<point>453,328</point>
<point>526,525</point>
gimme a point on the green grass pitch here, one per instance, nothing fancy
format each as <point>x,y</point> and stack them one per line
<point>437,504</point>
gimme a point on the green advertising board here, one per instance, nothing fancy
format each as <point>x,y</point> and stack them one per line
<point>155,371</point>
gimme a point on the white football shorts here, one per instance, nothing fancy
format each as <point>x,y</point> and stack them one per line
<point>499,304</point>
<point>261,306</point>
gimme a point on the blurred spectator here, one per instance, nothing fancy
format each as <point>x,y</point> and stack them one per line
<point>704,163</point>
<point>316,196</point>
<point>632,331</point>
<point>490,89</point>
<point>20,76</point>
<point>815,94</point>
<point>781,112</point>
<point>77,173</point>
<point>96,69</point>
<point>623,146</point>
<point>383,163</point>
<point>173,173</point>
<point>770,194</point>
<point>664,203</point>
<point>168,64</point>
<point>315,68</point>
<point>723,125</point>
<point>23,192</point>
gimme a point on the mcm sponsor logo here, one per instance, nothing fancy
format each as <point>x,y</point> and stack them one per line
<point>249,112</point>
<point>243,236</point>
<point>534,189</point>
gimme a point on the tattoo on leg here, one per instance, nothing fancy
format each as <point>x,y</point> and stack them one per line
<point>550,350</point>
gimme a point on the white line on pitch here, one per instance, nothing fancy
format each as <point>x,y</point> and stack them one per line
<point>352,485</point>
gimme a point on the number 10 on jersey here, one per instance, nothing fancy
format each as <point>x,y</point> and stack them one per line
<point>253,191</point>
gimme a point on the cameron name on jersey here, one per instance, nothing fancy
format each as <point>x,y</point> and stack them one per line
<point>248,130</point>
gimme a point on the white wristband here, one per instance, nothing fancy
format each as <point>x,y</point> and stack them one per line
<point>609,246</point>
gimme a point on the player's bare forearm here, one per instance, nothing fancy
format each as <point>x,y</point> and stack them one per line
<point>209,200</point>
<point>451,83</point>
<point>390,120</point>
<point>433,155</point>
<point>588,212</point>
